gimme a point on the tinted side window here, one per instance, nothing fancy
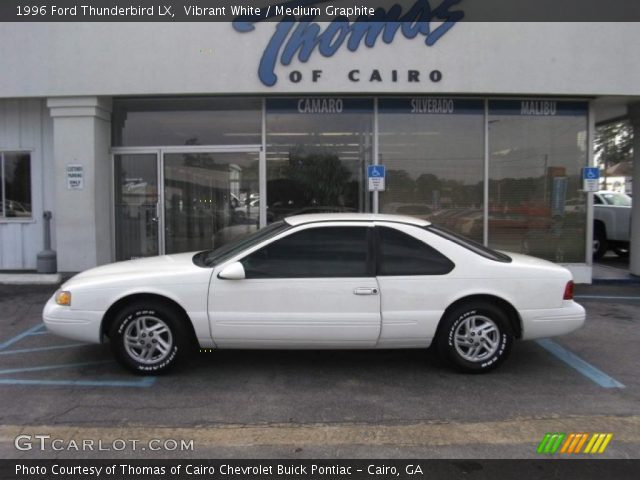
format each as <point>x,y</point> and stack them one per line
<point>596,200</point>
<point>402,254</point>
<point>315,252</point>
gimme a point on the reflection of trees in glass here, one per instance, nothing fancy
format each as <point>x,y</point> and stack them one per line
<point>613,143</point>
<point>18,181</point>
<point>320,175</point>
<point>400,186</point>
<point>426,184</point>
<point>430,190</point>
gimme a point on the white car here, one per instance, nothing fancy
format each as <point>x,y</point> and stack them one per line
<point>338,280</point>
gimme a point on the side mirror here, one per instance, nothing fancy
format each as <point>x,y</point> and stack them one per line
<point>234,271</point>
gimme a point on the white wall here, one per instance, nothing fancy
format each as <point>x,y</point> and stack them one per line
<point>49,59</point>
<point>25,125</point>
<point>81,136</point>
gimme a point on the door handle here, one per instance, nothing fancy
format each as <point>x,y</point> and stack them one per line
<point>365,291</point>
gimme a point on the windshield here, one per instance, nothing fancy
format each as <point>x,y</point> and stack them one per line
<point>617,199</point>
<point>211,258</point>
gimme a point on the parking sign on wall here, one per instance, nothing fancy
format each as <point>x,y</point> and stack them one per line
<point>75,177</point>
<point>376,175</point>
<point>591,179</point>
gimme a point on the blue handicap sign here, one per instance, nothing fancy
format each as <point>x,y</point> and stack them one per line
<point>376,171</point>
<point>591,173</point>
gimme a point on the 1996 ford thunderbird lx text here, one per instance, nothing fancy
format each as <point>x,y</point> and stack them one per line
<point>321,281</point>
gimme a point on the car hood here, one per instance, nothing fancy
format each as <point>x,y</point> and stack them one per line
<point>141,267</point>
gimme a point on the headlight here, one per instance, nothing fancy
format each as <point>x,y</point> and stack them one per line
<point>63,298</point>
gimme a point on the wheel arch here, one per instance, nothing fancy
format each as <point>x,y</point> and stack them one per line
<point>599,225</point>
<point>507,307</point>
<point>122,302</point>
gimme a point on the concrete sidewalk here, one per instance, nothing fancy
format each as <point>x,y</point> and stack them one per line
<point>613,269</point>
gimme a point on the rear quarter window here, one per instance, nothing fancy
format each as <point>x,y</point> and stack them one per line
<point>402,254</point>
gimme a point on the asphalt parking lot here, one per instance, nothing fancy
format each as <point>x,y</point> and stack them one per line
<point>345,404</point>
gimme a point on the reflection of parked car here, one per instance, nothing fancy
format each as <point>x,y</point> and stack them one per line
<point>15,209</point>
<point>611,223</point>
<point>243,226</point>
<point>418,210</point>
<point>466,221</point>
<point>278,212</point>
<point>575,205</point>
<point>246,212</point>
<point>321,281</point>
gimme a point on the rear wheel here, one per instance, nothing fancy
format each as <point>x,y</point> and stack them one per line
<point>149,338</point>
<point>622,252</point>
<point>475,338</point>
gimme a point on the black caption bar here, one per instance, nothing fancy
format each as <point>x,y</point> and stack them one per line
<point>318,10</point>
<point>585,469</point>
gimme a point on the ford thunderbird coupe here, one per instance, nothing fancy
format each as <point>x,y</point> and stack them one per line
<point>321,281</point>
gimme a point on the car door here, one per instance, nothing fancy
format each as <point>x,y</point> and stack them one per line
<point>313,288</point>
<point>415,282</point>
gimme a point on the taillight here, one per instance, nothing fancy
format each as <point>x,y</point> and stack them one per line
<point>568,291</point>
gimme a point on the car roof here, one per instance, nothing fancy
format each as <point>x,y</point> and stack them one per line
<point>354,217</point>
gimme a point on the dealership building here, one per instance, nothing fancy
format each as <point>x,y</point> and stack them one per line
<point>155,138</point>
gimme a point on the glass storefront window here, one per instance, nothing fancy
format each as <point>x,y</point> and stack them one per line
<point>537,150</point>
<point>187,121</point>
<point>433,150</point>
<point>15,185</point>
<point>136,205</point>
<point>210,199</point>
<point>318,149</point>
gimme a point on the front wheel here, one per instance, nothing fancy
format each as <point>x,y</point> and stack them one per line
<point>475,338</point>
<point>148,338</point>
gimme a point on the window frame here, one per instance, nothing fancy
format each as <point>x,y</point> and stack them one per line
<point>3,191</point>
<point>371,254</point>
<point>374,253</point>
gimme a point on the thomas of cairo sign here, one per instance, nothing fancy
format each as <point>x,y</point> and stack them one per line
<point>298,36</point>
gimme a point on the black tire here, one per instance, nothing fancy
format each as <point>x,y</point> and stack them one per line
<point>170,345</point>
<point>622,252</point>
<point>497,333</point>
<point>600,244</point>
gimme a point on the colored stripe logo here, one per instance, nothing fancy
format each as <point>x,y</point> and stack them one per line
<point>573,443</point>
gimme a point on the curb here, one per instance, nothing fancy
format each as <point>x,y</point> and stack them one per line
<point>30,279</point>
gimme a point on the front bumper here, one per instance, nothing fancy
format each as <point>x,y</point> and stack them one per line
<point>75,324</point>
<point>552,322</point>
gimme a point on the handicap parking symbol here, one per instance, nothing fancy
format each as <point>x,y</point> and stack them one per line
<point>376,175</point>
<point>376,171</point>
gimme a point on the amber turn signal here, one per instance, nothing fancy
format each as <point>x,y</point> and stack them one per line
<point>63,298</point>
